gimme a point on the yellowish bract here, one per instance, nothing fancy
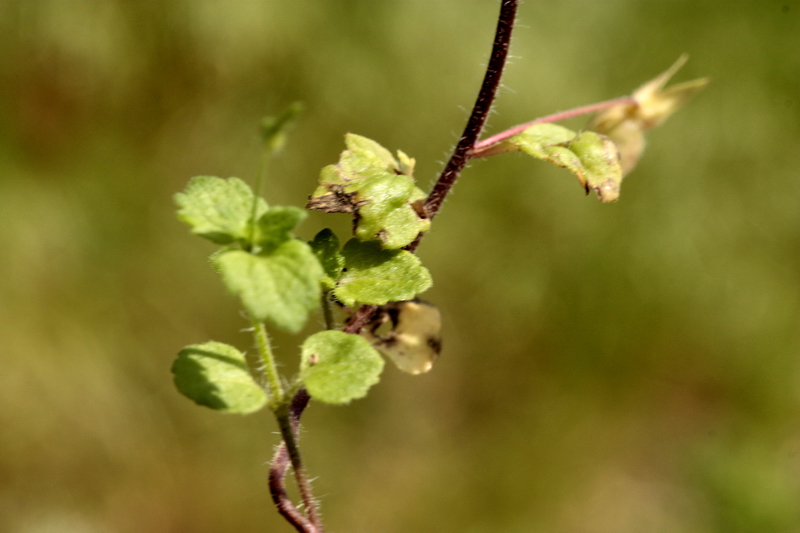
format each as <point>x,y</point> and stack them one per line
<point>652,104</point>
<point>408,333</point>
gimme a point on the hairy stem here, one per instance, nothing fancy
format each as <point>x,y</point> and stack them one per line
<point>555,117</point>
<point>279,466</point>
<point>480,111</point>
<point>289,433</point>
<point>270,369</point>
<point>461,153</point>
<point>290,420</point>
<point>283,413</point>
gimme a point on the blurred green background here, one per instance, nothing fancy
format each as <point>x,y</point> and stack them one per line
<point>607,368</point>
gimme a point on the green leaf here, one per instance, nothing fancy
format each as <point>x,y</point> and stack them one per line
<point>275,226</point>
<point>367,148</point>
<point>600,160</point>
<point>218,209</point>
<point>375,276</point>
<point>281,286</point>
<point>326,247</point>
<point>387,213</point>
<point>380,191</point>
<point>592,157</point>
<point>337,367</point>
<point>216,375</point>
<point>540,139</point>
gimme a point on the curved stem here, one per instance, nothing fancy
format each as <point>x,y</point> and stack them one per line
<point>287,415</point>
<point>290,422</point>
<point>288,452</point>
<point>555,117</point>
<point>277,473</point>
<point>282,501</point>
<point>480,111</point>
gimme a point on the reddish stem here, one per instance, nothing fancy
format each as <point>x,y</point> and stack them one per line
<point>279,466</point>
<point>555,117</point>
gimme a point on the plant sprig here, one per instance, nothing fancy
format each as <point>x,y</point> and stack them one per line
<point>280,280</point>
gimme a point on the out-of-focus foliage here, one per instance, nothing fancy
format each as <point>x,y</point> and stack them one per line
<point>606,368</point>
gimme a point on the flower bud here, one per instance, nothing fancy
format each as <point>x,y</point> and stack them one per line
<point>652,104</point>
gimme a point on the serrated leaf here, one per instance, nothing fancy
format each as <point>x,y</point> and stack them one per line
<point>337,368</point>
<point>275,226</point>
<point>281,286</point>
<point>651,105</point>
<point>218,209</point>
<point>592,157</point>
<point>375,276</point>
<point>215,375</point>
<point>380,191</point>
<point>326,247</point>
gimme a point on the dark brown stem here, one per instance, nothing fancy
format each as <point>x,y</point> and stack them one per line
<point>461,153</point>
<point>279,466</point>
<point>480,111</point>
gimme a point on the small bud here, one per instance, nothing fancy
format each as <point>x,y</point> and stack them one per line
<point>273,129</point>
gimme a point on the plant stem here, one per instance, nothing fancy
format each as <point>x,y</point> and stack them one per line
<point>283,410</point>
<point>480,111</point>
<point>266,157</point>
<point>270,368</point>
<point>360,318</point>
<point>273,133</point>
<point>327,312</point>
<point>555,117</point>
<point>289,423</point>
<point>289,416</point>
<point>279,466</point>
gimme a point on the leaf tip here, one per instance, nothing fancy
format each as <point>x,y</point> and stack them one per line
<point>607,191</point>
